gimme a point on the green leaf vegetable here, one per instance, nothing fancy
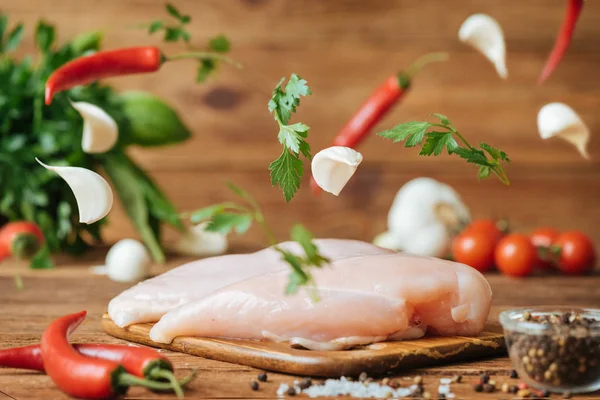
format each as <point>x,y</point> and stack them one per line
<point>488,158</point>
<point>230,216</point>
<point>176,31</point>
<point>28,129</point>
<point>288,169</point>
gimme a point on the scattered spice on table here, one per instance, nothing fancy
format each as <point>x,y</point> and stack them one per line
<point>262,377</point>
<point>514,374</point>
<point>478,387</point>
<point>456,378</point>
<point>418,380</point>
<point>254,385</point>
<point>363,376</point>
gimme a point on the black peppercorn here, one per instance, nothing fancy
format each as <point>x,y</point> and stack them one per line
<point>513,389</point>
<point>488,388</point>
<point>305,384</point>
<point>262,377</point>
<point>291,392</point>
<point>478,387</point>
<point>254,385</point>
<point>484,378</point>
<point>514,374</point>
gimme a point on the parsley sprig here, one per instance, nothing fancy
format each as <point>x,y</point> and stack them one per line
<point>209,57</point>
<point>230,216</point>
<point>487,157</point>
<point>287,170</point>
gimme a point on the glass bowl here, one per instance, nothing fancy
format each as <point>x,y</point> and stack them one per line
<point>555,348</point>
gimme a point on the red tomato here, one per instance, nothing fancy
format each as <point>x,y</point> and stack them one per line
<point>577,254</point>
<point>543,238</point>
<point>474,248</point>
<point>29,233</point>
<point>515,255</point>
<point>487,226</point>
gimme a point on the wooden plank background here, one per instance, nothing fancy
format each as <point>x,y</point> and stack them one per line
<point>345,48</point>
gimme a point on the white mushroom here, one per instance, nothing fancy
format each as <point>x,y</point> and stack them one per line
<point>93,194</point>
<point>100,131</point>
<point>128,261</point>
<point>199,242</point>
<point>333,167</point>
<point>484,33</point>
<point>560,120</point>
<point>422,217</point>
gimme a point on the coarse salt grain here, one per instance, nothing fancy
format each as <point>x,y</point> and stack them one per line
<point>445,381</point>
<point>449,395</point>
<point>444,389</point>
<point>282,389</point>
<point>340,387</point>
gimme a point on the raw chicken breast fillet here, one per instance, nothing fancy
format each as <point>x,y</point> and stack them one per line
<point>149,300</point>
<point>363,300</point>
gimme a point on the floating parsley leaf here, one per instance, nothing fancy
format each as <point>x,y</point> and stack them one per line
<point>220,44</point>
<point>287,170</point>
<point>413,133</point>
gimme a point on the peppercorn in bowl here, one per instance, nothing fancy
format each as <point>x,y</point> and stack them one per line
<point>555,348</point>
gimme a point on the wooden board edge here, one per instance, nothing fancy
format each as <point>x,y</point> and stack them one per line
<point>493,346</point>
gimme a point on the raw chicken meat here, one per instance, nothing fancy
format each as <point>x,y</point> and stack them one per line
<point>149,300</point>
<point>362,300</point>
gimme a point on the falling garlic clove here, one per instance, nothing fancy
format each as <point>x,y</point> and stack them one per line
<point>128,261</point>
<point>485,34</point>
<point>560,120</point>
<point>333,167</point>
<point>100,131</point>
<point>93,194</point>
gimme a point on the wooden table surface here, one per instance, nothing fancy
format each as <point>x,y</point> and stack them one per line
<point>71,287</point>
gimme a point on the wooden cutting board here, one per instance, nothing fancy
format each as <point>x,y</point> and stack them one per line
<point>374,359</point>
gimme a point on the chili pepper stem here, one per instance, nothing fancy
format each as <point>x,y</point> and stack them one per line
<point>203,55</point>
<point>126,380</point>
<point>18,281</point>
<point>168,375</point>
<point>423,61</point>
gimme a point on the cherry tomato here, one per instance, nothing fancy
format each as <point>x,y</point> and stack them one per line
<point>577,254</point>
<point>26,235</point>
<point>487,226</point>
<point>543,238</point>
<point>474,248</point>
<point>515,255</point>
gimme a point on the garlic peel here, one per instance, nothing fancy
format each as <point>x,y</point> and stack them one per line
<point>333,167</point>
<point>128,261</point>
<point>199,242</point>
<point>484,33</point>
<point>100,131</point>
<point>560,120</point>
<point>93,194</point>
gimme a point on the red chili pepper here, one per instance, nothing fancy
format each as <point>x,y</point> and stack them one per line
<point>82,376</point>
<point>20,239</point>
<point>104,64</point>
<point>377,106</point>
<point>563,40</point>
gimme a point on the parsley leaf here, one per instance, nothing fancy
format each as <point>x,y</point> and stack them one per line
<point>224,222</point>
<point>220,44</point>
<point>14,38</point>
<point>44,36</point>
<point>413,133</point>
<point>287,170</point>
<point>206,67</point>
<point>407,131</point>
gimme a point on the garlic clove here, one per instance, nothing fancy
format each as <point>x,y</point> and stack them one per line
<point>128,261</point>
<point>333,167</point>
<point>560,120</point>
<point>484,33</point>
<point>100,131</point>
<point>199,242</point>
<point>387,240</point>
<point>93,194</point>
